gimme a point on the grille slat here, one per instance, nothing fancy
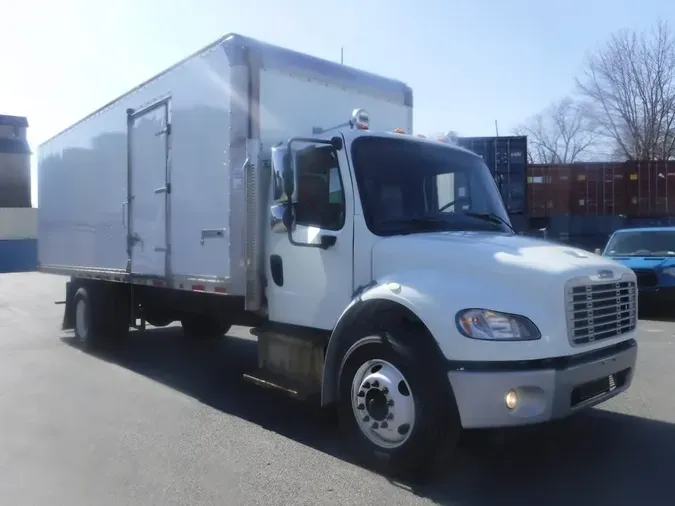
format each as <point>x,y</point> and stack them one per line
<point>601,311</point>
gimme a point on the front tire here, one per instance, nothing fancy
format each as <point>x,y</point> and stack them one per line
<point>396,409</point>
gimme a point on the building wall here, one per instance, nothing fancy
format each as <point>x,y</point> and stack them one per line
<point>18,239</point>
<point>15,179</point>
<point>10,131</point>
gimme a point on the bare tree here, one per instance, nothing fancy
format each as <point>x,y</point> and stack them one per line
<point>630,87</point>
<point>562,133</point>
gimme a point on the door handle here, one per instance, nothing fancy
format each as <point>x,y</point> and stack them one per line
<point>212,233</point>
<point>327,241</point>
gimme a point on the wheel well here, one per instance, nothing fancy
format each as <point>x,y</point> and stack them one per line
<point>370,316</point>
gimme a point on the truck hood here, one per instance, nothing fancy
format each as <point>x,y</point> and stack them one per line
<point>525,260</point>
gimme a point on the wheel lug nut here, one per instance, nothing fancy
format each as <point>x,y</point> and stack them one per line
<point>390,416</point>
<point>360,406</point>
<point>366,419</point>
<point>361,394</point>
<point>375,426</point>
<point>384,425</point>
<point>376,384</point>
<point>385,390</point>
<point>390,402</point>
<point>366,384</point>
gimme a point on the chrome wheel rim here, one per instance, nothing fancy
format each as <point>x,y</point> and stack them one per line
<point>383,403</point>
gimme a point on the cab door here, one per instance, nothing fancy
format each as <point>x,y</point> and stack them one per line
<point>309,284</point>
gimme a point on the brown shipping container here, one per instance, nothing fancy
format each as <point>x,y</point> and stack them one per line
<point>536,190</point>
<point>578,189</point>
<point>559,181</point>
<point>548,189</point>
<point>650,188</point>
<point>598,188</point>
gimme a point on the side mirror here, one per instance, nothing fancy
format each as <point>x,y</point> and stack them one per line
<point>598,251</point>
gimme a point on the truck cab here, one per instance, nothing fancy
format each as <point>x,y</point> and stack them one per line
<point>437,315</point>
<point>354,209</point>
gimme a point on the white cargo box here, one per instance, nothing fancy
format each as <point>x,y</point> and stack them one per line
<point>149,188</point>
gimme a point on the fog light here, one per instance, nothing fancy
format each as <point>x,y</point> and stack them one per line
<point>511,399</point>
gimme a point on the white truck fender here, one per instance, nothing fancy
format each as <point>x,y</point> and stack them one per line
<point>411,293</point>
<point>434,298</point>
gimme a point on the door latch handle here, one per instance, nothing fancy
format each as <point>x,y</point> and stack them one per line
<point>212,233</point>
<point>135,238</point>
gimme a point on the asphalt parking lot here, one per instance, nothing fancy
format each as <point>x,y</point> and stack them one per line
<point>169,421</point>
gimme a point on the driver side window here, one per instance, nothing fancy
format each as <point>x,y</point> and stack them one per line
<point>452,191</point>
<point>320,192</point>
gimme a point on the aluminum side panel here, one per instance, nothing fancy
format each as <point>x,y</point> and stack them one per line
<point>293,105</point>
<point>82,176</point>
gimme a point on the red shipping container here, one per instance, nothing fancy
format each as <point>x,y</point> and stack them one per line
<point>548,189</point>
<point>578,189</point>
<point>650,188</point>
<point>597,188</point>
<point>536,190</point>
<point>559,181</point>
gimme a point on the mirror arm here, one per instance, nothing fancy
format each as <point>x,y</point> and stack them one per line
<point>289,228</point>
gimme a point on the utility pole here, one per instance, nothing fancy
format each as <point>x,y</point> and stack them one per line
<point>342,55</point>
<point>496,129</point>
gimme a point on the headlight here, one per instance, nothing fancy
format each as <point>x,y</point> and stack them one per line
<point>494,326</point>
<point>670,271</point>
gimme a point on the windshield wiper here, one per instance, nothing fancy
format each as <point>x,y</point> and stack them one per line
<point>492,218</point>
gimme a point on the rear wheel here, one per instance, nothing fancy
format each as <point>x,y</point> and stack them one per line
<point>101,317</point>
<point>395,407</point>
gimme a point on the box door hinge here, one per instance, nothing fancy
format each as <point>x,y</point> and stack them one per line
<point>164,189</point>
<point>166,130</point>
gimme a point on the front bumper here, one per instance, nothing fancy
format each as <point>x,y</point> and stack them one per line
<point>546,389</point>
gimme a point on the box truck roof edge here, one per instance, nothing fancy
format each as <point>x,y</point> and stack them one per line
<point>260,55</point>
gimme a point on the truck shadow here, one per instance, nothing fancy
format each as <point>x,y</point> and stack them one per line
<point>598,457</point>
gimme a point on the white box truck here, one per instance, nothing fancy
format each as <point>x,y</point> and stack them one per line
<point>253,185</point>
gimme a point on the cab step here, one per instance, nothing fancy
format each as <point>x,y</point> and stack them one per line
<point>267,379</point>
<point>290,360</point>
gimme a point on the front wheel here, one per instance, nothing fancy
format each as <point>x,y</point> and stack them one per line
<point>395,407</point>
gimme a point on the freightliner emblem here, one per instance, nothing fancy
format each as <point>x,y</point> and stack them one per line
<point>605,274</point>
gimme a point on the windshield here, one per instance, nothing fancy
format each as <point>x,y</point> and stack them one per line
<point>408,186</point>
<point>652,243</point>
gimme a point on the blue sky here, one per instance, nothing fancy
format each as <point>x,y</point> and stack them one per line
<point>469,62</point>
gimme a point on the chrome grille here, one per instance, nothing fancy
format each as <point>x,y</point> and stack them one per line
<point>600,310</point>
